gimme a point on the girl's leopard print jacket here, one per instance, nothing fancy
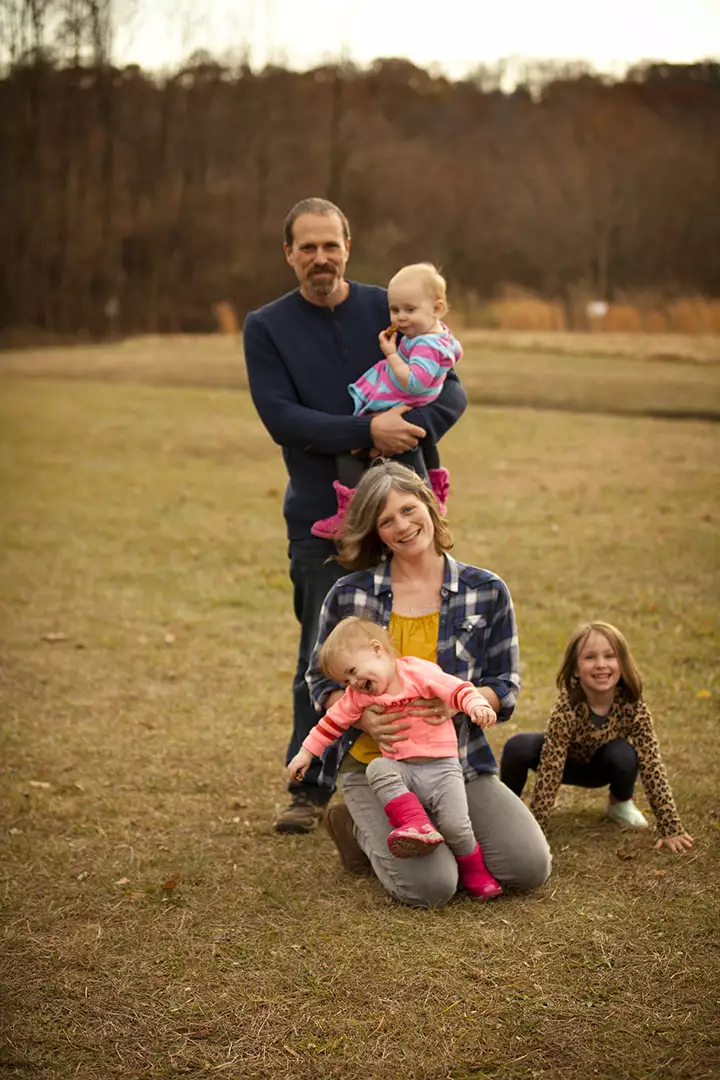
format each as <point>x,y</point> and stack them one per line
<point>570,734</point>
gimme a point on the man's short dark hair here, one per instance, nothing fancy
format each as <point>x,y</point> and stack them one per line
<point>313,206</point>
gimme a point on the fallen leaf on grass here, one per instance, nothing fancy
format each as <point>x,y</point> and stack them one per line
<point>123,881</point>
<point>39,784</point>
<point>627,853</point>
<point>53,636</point>
<point>702,694</point>
<point>170,639</point>
<point>659,873</point>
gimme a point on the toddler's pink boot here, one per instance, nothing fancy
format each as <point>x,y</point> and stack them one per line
<point>413,833</point>
<point>476,877</point>
<point>440,484</point>
<point>329,528</point>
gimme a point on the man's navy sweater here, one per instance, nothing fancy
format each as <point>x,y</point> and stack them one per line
<point>300,360</point>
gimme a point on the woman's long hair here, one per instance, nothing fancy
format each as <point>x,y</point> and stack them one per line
<point>360,547</point>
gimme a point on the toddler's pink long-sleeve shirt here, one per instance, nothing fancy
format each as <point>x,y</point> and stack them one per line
<point>420,679</point>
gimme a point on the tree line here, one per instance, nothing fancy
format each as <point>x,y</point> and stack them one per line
<point>133,203</point>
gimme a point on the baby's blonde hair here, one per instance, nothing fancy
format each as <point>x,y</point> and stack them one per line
<point>350,634</point>
<point>433,283</point>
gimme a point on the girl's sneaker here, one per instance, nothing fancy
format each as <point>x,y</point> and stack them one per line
<point>626,813</point>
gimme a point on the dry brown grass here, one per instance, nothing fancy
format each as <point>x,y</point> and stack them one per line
<point>519,310</point>
<point>691,348</point>
<point>154,926</point>
<point>603,373</point>
<point>525,313</point>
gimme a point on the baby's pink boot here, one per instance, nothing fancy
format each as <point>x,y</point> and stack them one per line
<point>413,833</point>
<point>440,483</point>
<point>476,877</point>
<point>329,528</point>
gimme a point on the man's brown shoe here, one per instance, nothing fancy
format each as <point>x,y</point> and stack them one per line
<point>339,824</point>
<point>301,816</point>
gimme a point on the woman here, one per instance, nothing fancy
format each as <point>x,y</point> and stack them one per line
<point>458,616</point>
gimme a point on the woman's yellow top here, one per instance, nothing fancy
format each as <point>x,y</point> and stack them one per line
<point>411,636</point>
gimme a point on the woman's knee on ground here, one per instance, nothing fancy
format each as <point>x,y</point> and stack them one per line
<point>528,866</point>
<point>423,883</point>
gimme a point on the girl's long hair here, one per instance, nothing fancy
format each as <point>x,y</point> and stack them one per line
<point>630,679</point>
<point>360,547</point>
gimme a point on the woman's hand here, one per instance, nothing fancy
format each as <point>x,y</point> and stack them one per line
<point>383,727</point>
<point>678,844</point>
<point>431,710</point>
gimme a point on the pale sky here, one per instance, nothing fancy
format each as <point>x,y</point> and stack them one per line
<point>454,35</point>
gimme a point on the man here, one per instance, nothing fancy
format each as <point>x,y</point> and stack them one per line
<point>302,351</point>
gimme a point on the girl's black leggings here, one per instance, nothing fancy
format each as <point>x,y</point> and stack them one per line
<point>614,764</point>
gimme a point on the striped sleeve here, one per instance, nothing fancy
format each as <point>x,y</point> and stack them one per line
<point>333,724</point>
<point>429,362</point>
<point>467,698</point>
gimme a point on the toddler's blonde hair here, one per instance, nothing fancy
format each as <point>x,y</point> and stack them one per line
<point>351,634</point>
<point>429,277</point>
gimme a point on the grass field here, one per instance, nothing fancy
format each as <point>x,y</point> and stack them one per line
<point>666,376</point>
<point>153,924</point>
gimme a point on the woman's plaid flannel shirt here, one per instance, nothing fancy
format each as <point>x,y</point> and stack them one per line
<point>477,642</point>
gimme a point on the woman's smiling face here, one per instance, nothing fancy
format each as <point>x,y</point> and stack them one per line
<point>404,525</point>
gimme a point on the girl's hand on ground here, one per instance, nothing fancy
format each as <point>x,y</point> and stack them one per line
<point>383,727</point>
<point>484,716</point>
<point>677,844</point>
<point>431,710</point>
<point>299,765</point>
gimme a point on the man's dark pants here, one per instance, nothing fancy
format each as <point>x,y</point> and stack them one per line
<point>312,577</point>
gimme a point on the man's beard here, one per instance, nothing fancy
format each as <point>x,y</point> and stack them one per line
<point>322,287</point>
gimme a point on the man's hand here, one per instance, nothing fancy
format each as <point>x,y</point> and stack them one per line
<point>383,727</point>
<point>391,434</point>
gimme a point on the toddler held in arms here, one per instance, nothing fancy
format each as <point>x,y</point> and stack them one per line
<point>422,772</point>
<point>412,373</point>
